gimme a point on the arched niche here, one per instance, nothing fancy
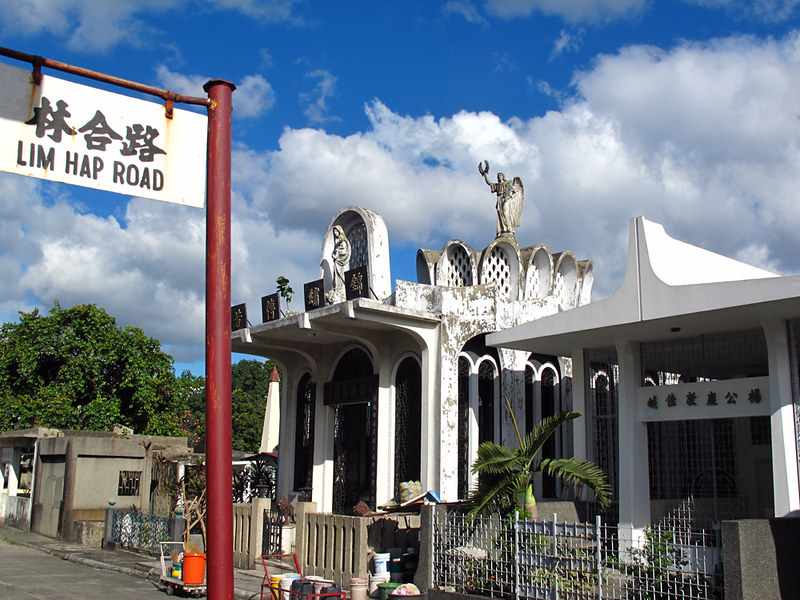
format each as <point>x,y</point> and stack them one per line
<point>586,282</point>
<point>565,283</point>
<point>500,264</point>
<point>426,266</point>
<point>456,266</point>
<point>539,274</point>
<point>369,246</point>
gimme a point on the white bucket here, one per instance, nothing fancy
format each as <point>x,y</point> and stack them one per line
<point>374,580</point>
<point>286,585</point>
<point>381,561</point>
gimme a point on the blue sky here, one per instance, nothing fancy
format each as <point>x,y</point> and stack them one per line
<point>685,111</point>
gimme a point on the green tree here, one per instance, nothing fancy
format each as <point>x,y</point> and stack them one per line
<point>505,475</point>
<point>249,390</point>
<point>76,369</point>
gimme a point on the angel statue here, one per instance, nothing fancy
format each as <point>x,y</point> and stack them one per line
<point>509,200</point>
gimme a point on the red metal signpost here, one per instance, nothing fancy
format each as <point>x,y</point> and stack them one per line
<point>219,480</point>
<point>218,274</point>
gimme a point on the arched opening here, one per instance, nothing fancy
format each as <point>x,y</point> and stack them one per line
<point>486,401</point>
<point>408,422</point>
<point>463,427</point>
<point>354,393</point>
<point>304,435</point>
<point>530,380</point>
<point>548,389</point>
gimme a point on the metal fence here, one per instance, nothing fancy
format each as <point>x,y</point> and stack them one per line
<point>549,560</point>
<point>136,529</point>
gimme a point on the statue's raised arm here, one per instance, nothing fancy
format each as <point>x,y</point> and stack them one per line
<point>510,195</point>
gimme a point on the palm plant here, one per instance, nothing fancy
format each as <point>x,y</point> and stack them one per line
<point>505,475</point>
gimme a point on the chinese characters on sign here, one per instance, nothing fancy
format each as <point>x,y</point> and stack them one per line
<point>671,400</point>
<point>356,283</point>
<point>314,293</point>
<point>238,317</point>
<point>72,133</point>
<point>270,308</point>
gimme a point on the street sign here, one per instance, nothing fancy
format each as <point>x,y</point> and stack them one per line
<point>81,135</point>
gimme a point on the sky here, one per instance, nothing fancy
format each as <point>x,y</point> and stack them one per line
<point>684,111</point>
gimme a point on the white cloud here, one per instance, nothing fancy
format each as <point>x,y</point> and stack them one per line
<point>766,10</point>
<point>87,25</point>
<point>571,10</point>
<point>466,9</point>
<point>97,25</point>
<point>315,103</point>
<point>567,41</point>
<point>253,96</point>
<point>702,138</point>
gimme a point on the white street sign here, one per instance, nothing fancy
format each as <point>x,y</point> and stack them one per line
<point>72,133</point>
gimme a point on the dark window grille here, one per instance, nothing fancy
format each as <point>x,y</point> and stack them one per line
<point>529,395</point>
<point>716,463</point>
<point>731,355</point>
<point>463,427</point>
<point>603,419</point>
<point>486,402</point>
<point>408,422</point>
<point>304,434</point>
<point>129,483</point>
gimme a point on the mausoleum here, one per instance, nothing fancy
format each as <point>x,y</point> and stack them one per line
<point>382,385</point>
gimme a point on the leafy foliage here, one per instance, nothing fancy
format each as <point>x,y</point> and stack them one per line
<point>284,289</point>
<point>505,474</point>
<point>76,369</point>
<point>249,389</point>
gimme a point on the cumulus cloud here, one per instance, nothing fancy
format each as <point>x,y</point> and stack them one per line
<point>703,138</point>
<point>97,25</point>
<point>766,10</point>
<point>254,95</point>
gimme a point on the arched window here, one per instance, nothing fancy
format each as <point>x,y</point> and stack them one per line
<point>408,422</point>
<point>548,389</point>
<point>486,401</point>
<point>529,398</point>
<point>304,434</point>
<point>355,431</point>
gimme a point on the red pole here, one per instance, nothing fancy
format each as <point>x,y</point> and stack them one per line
<point>219,515</point>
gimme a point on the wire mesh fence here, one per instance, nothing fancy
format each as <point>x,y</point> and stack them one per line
<point>136,529</point>
<point>551,560</point>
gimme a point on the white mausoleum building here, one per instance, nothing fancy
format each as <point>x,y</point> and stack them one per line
<point>687,377</point>
<point>396,386</point>
<point>688,380</point>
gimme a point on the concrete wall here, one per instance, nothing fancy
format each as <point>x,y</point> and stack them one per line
<point>761,558</point>
<point>78,474</point>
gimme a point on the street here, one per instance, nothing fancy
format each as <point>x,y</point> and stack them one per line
<point>27,574</point>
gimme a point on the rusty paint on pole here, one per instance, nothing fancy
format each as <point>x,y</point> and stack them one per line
<point>219,474</point>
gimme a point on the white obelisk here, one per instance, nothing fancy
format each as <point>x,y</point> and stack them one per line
<point>272,415</point>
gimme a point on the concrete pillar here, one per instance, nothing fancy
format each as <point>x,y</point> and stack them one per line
<point>12,476</point>
<point>579,445</point>
<point>384,446</point>
<point>634,485</point>
<point>785,483</point>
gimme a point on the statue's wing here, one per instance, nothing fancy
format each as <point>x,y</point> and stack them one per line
<point>517,196</point>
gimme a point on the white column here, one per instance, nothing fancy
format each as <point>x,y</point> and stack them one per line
<point>785,486</point>
<point>384,446</point>
<point>579,385</point>
<point>634,485</point>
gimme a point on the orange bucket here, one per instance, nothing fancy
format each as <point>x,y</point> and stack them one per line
<point>194,568</point>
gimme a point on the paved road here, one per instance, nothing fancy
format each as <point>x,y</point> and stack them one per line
<point>26,574</point>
